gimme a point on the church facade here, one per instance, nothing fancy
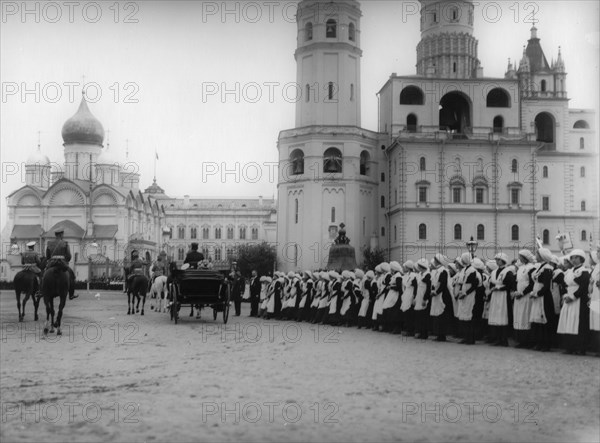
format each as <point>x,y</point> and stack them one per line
<point>98,202</point>
<point>458,156</point>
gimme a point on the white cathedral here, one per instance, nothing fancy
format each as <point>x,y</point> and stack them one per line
<point>458,155</point>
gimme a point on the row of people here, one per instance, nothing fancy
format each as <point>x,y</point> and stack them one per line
<point>542,301</point>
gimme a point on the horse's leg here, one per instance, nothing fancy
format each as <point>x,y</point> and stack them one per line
<point>137,306</point>
<point>18,293</point>
<point>128,302</point>
<point>143,302</point>
<point>49,300</point>
<point>27,295</point>
<point>61,306</point>
<point>36,305</point>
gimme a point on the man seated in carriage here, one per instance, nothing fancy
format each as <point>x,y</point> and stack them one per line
<point>194,257</point>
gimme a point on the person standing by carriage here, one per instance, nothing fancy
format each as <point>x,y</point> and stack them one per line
<point>58,254</point>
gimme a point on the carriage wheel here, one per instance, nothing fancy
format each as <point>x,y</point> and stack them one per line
<point>175,307</point>
<point>226,307</point>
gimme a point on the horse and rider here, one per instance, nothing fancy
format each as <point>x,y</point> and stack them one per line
<point>136,283</point>
<point>58,280</point>
<point>29,281</point>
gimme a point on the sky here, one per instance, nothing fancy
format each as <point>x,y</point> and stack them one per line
<point>208,86</point>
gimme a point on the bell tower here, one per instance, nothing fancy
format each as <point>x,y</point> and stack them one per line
<point>328,164</point>
<point>328,63</point>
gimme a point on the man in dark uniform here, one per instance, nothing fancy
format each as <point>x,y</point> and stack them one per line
<point>31,261</point>
<point>135,268</point>
<point>254,294</point>
<point>58,254</point>
<point>239,284</point>
<point>160,267</point>
<point>194,257</point>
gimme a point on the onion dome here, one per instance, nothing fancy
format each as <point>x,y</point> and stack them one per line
<point>37,158</point>
<point>83,127</point>
<point>154,189</point>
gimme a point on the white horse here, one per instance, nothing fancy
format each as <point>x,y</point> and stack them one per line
<point>159,291</point>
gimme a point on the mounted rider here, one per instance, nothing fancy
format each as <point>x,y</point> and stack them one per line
<point>160,266</point>
<point>31,261</point>
<point>58,254</point>
<point>136,267</point>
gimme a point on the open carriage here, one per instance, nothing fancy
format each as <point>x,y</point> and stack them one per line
<point>200,288</point>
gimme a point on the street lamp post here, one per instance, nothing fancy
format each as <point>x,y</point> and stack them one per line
<point>92,249</point>
<point>472,247</point>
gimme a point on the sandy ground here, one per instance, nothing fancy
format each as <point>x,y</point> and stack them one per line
<point>113,377</point>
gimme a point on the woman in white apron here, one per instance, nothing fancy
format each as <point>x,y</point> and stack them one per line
<point>391,304</point>
<point>441,297</point>
<point>384,269</point>
<point>365,304</point>
<point>409,290</point>
<point>422,297</point>
<point>490,266</point>
<point>522,299</point>
<point>542,305</point>
<point>466,299</point>
<point>502,281</point>
<point>265,282</point>
<point>574,320</point>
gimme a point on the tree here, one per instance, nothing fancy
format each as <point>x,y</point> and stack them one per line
<point>260,257</point>
<point>372,257</point>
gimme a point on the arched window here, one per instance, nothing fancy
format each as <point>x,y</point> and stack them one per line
<point>454,14</point>
<point>546,237</point>
<point>581,124</point>
<point>382,201</point>
<point>364,163</point>
<point>480,232</point>
<point>181,232</point>
<point>230,233</point>
<point>457,232</point>
<point>351,92</point>
<point>297,162</point>
<point>543,85</point>
<point>296,210</point>
<point>422,164</point>
<point>307,93</point>
<point>583,235</point>
<point>498,98</point>
<point>582,171</point>
<point>395,233</point>
<point>498,124</point>
<point>581,143</point>
<point>180,254</point>
<point>544,124</point>
<point>351,32</point>
<point>383,231</point>
<point>514,233</point>
<point>205,233</point>
<point>254,233</point>
<point>218,233</point>
<point>411,123</point>
<point>332,161</point>
<point>308,31</point>
<point>193,233</point>
<point>331,29</point>
<point>218,253</point>
<point>514,166</point>
<point>383,177</point>
<point>332,215</point>
<point>411,95</point>
<point>243,233</point>
<point>583,205</point>
<point>330,90</point>
<point>545,172</point>
<point>422,231</point>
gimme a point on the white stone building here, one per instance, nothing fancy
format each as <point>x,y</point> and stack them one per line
<point>458,155</point>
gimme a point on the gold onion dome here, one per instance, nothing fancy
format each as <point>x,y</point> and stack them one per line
<point>83,127</point>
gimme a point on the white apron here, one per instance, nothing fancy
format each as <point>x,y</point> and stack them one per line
<point>568,323</point>
<point>498,313</point>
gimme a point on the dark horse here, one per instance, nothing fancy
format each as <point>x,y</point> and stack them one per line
<point>137,288</point>
<point>26,282</point>
<point>56,283</point>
